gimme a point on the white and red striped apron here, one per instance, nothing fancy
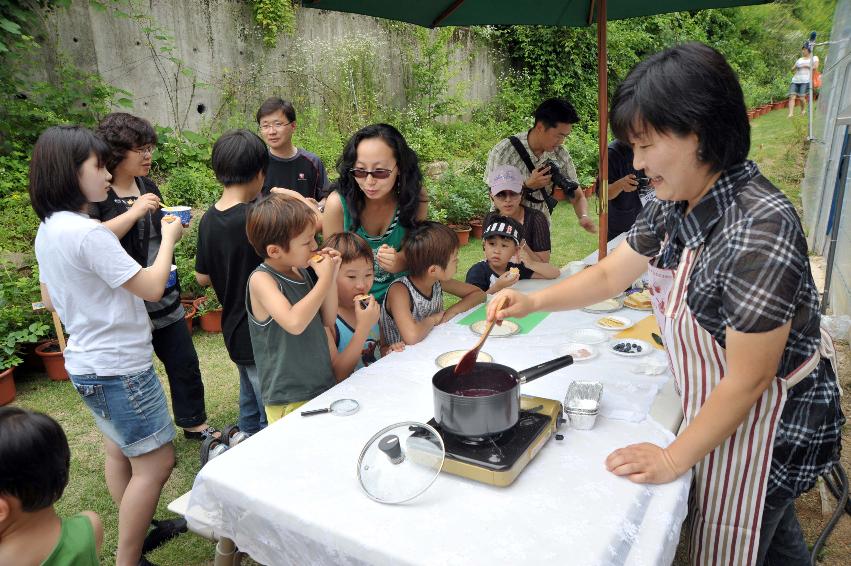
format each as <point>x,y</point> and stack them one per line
<point>730,482</point>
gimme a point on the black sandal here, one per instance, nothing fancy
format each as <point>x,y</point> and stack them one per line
<point>163,532</point>
<point>202,434</point>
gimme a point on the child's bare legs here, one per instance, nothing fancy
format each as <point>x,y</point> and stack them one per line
<point>117,471</point>
<point>139,497</point>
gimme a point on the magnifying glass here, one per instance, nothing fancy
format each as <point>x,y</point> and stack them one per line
<point>340,407</point>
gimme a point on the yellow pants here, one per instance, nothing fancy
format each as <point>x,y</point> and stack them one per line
<point>277,412</point>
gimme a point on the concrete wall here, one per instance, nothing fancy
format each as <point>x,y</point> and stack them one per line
<point>819,185</point>
<point>222,47</point>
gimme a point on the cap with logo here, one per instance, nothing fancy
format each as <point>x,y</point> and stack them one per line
<point>502,226</point>
<point>505,178</point>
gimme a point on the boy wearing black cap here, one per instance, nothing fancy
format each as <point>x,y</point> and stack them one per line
<point>501,243</point>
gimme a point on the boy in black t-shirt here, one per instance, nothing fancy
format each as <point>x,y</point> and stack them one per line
<point>225,258</point>
<point>289,167</point>
<point>501,242</point>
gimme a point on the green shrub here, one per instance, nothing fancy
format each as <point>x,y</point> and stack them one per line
<point>184,259</point>
<point>183,149</point>
<point>191,185</point>
<point>19,323</point>
<point>210,302</point>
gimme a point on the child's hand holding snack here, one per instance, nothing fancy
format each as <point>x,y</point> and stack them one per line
<point>507,279</point>
<point>324,266</point>
<point>367,311</point>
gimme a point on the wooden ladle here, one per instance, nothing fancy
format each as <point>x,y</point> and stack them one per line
<point>468,360</point>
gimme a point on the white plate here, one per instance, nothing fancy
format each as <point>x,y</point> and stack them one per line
<point>624,322</point>
<point>580,352</point>
<point>452,358</point>
<point>508,328</point>
<point>645,347</point>
<point>609,305</point>
<point>587,336</point>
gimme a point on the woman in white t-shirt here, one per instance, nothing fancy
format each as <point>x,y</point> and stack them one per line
<point>802,79</point>
<point>97,289</point>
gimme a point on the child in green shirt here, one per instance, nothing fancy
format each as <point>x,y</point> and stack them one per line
<point>34,465</point>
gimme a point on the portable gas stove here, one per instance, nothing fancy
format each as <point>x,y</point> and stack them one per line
<point>499,459</point>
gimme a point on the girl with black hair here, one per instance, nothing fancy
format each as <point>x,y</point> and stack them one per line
<point>132,212</point>
<point>379,196</point>
<point>732,291</point>
<point>98,290</point>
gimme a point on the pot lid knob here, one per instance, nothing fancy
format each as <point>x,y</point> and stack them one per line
<point>390,446</point>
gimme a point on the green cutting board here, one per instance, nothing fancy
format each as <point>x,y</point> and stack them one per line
<point>527,323</point>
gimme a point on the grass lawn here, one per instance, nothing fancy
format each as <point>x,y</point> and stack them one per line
<point>780,158</point>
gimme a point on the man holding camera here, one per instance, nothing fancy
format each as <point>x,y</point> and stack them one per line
<point>629,193</point>
<point>540,153</point>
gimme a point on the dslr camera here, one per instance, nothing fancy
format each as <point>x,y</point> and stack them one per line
<point>643,182</point>
<point>559,180</point>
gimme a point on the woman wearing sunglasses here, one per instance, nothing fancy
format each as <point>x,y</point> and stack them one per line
<point>379,196</point>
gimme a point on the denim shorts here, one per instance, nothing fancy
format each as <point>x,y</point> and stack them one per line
<point>130,410</point>
<point>799,89</point>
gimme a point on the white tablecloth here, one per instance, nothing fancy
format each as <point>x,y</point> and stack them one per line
<point>290,494</point>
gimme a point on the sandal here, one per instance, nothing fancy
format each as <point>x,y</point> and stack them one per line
<point>202,434</point>
<point>163,532</point>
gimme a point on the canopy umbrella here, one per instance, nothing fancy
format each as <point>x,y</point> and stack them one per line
<point>569,13</point>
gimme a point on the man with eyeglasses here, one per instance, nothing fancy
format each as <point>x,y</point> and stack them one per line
<point>531,151</point>
<point>290,167</point>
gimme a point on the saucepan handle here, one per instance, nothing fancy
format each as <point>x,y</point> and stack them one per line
<point>539,370</point>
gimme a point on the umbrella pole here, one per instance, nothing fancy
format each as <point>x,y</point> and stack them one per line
<point>603,130</point>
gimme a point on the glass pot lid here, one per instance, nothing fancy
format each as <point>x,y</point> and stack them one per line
<point>400,462</point>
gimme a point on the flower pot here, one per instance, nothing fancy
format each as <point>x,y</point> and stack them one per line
<point>463,233</point>
<point>558,193</point>
<point>588,191</point>
<point>189,316</point>
<point>210,321</point>
<point>54,360</point>
<point>7,386</point>
<point>477,228</point>
<point>31,360</point>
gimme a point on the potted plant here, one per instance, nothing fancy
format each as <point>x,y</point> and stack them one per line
<point>209,311</point>
<point>477,227</point>
<point>189,312</point>
<point>21,322</point>
<point>8,360</point>
<point>54,360</point>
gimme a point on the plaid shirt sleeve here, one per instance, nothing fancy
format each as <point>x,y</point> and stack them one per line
<point>762,277</point>
<point>648,231</point>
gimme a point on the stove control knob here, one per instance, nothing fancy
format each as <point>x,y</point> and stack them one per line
<point>390,446</point>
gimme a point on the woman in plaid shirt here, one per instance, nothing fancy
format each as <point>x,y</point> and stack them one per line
<point>733,293</point>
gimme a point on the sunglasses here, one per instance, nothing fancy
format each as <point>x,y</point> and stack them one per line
<point>376,173</point>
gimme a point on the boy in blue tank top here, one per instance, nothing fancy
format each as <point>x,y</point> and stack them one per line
<point>288,309</point>
<point>356,333</point>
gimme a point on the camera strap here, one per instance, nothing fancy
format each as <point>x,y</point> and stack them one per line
<point>524,155</point>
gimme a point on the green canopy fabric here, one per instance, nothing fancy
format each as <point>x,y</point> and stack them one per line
<point>569,13</point>
<point>566,13</point>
